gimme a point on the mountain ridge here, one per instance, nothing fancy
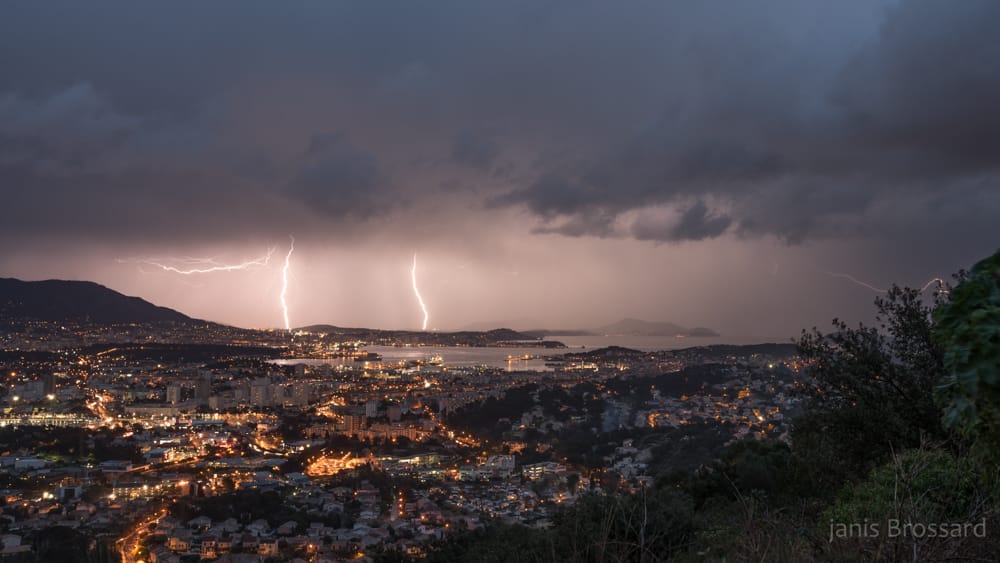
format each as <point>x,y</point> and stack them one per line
<point>636,327</point>
<point>630,327</point>
<point>74,300</point>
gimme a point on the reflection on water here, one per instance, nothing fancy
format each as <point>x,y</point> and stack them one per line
<point>655,343</point>
<point>511,359</point>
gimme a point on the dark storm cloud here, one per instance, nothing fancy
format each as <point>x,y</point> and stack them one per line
<point>549,196</point>
<point>799,120</point>
<point>73,165</point>
<point>910,113</point>
<point>63,133</point>
<point>339,179</point>
<point>696,223</point>
<point>927,90</point>
<point>591,223</point>
<point>478,149</point>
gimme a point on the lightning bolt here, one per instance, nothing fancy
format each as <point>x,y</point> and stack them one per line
<point>201,265</point>
<point>931,282</point>
<point>413,277</point>
<point>284,281</point>
<point>853,279</point>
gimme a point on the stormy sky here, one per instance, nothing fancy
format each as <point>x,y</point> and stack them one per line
<point>552,164</point>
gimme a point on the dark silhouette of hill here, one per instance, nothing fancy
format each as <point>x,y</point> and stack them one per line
<point>628,327</point>
<point>82,301</point>
<point>636,327</point>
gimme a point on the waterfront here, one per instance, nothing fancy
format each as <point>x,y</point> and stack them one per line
<point>655,343</point>
<point>512,359</point>
<point>451,356</point>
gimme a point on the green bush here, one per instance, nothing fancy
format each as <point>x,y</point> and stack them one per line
<point>968,327</point>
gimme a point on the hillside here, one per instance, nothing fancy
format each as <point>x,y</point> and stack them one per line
<point>59,300</point>
<point>636,327</point>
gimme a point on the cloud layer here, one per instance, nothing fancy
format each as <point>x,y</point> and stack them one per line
<point>795,119</point>
<point>462,124</point>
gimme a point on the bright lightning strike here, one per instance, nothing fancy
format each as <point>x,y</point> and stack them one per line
<point>933,281</point>
<point>413,277</point>
<point>204,265</point>
<point>930,282</point>
<point>284,281</point>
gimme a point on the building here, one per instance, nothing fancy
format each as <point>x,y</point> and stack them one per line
<point>203,387</point>
<point>173,393</point>
<point>395,413</point>
<point>260,393</point>
<point>301,393</point>
<point>354,423</point>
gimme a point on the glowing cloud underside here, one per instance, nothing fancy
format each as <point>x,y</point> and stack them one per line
<point>284,282</point>
<point>423,307</point>
<point>189,266</point>
<point>848,277</point>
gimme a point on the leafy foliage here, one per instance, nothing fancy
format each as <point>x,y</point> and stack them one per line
<point>968,328</point>
<point>649,526</point>
<point>60,543</point>
<point>925,486</point>
<point>872,387</point>
<point>497,544</point>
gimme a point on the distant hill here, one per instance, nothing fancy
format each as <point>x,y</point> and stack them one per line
<point>549,333</point>
<point>636,327</point>
<point>495,337</point>
<point>482,326</point>
<point>714,352</point>
<point>59,300</point>
<point>606,354</point>
<point>625,327</point>
<point>719,351</point>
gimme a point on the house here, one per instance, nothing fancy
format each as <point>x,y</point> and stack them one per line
<point>160,554</point>
<point>179,540</point>
<point>224,544</point>
<point>259,528</point>
<point>269,548</point>
<point>229,525</point>
<point>201,523</point>
<point>209,546</point>
<point>115,466</point>
<point>249,543</point>
<point>239,558</point>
